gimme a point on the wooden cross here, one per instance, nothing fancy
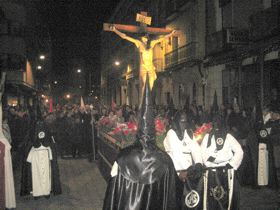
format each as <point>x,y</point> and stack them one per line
<point>144,21</point>
<point>145,49</point>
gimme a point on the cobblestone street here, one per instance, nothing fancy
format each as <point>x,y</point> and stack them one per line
<point>84,188</point>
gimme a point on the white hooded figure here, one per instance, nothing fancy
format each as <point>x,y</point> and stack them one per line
<point>222,156</point>
<point>187,159</point>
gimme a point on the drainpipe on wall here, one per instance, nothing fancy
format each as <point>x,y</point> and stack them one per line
<point>240,83</point>
<point>261,63</point>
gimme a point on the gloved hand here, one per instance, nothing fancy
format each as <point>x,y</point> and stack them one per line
<point>195,172</point>
<point>211,159</point>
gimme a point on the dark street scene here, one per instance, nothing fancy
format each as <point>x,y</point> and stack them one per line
<point>139,105</point>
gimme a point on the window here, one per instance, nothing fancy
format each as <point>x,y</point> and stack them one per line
<point>267,4</point>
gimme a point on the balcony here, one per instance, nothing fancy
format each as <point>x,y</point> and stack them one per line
<point>181,55</point>
<point>20,78</point>
<point>226,39</point>
<point>265,23</point>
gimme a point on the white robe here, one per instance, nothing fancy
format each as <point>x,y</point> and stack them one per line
<point>41,170</point>
<point>231,152</point>
<point>263,158</point>
<point>9,176</point>
<point>10,195</point>
<point>183,153</point>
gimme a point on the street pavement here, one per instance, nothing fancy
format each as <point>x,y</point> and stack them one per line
<point>84,189</point>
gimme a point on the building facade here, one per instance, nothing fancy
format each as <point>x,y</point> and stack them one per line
<point>242,50</point>
<point>228,48</point>
<point>23,39</point>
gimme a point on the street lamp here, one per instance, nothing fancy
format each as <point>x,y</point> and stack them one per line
<point>68,96</point>
<point>42,57</point>
<point>117,63</point>
<point>55,82</point>
<point>79,71</point>
<point>39,67</point>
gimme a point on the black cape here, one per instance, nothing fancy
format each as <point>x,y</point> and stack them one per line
<point>146,180</point>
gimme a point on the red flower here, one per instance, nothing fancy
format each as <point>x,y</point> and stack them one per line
<point>131,126</point>
<point>159,125</point>
<point>126,132</point>
<point>202,131</point>
<point>117,130</point>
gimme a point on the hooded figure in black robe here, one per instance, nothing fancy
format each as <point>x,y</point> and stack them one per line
<point>143,176</point>
<point>36,141</point>
<point>222,156</point>
<point>266,131</point>
<point>187,159</point>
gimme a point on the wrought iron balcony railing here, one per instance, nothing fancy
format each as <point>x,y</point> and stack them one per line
<point>183,54</point>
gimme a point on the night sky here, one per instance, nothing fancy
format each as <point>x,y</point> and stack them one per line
<point>75,27</point>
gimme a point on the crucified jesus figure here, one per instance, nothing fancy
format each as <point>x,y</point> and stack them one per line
<point>145,47</point>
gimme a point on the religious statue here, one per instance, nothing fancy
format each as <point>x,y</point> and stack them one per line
<point>145,47</point>
<point>143,176</point>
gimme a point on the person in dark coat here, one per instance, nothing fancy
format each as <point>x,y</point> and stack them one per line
<point>61,133</point>
<point>86,133</point>
<point>143,176</point>
<point>76,138</point>
<point>239,128</point>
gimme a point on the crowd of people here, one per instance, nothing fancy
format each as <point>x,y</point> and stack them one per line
<point>72,127</point>
<point>238,149</point>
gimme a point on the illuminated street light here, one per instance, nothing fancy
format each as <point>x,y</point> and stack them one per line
<point>42,57</point>
<point>79,71</point>
<point>68,96</point>
<point>55,82</point>
<point>39,67</point>
<point>117,63</point>
<point>47,100</point>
